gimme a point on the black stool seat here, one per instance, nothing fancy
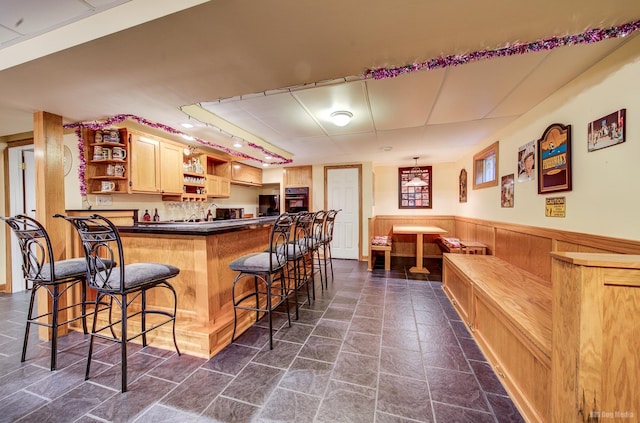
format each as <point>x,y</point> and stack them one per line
<point>139,275</point>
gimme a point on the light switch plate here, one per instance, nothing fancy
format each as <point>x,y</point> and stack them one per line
<point>104,200</point>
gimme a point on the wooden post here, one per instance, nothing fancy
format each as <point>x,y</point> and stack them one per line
<point>49,174</point>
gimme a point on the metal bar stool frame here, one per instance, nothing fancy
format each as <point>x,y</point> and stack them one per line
<point>38,266</point>
<point>123,283</point>
<point>268,271</point>
<point>297,270</point>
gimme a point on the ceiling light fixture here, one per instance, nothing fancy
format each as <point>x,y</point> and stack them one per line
<point>237,144</point>
<point>416,173</point>
<point>341,117</point>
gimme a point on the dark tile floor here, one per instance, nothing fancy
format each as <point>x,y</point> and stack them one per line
<point>374,347</point>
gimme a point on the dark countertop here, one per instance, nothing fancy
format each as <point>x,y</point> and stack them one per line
<point>197,228</point>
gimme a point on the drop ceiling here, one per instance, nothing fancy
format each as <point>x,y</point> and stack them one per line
<point>276,70</point>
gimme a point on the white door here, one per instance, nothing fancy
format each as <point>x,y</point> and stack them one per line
<point>22,200</point>
<point>343,193</point>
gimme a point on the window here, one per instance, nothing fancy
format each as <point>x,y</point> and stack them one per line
<point>485,167</point>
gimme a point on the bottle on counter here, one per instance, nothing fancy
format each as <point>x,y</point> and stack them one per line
<point>146,217</point>
<point>156,216</point>
<point>209,216</point>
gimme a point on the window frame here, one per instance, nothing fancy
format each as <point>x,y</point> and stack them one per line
<point>480,162</point>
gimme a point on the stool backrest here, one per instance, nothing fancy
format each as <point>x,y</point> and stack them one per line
<point>279,240</point>
<point>102,249</point>
<point>38,263</point>
<point>330,222</point>
<point>303,229</point>
<point>319,218</point>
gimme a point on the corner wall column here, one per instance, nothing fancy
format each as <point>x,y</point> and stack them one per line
<point>49,174</point>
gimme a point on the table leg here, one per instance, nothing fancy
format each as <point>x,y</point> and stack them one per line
<point>418,267</point>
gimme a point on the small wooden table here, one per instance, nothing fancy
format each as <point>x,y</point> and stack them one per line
<point>419,231</point>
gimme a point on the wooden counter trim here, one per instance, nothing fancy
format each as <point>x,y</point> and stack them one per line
<point>626,261</point>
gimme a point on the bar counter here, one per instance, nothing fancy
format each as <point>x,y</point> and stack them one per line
<point>202,251</point>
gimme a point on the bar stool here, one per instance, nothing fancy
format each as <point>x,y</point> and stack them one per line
<point>298,273</point>
<point>123,283</point>
<point>56,277</point>
<point>317,233</point>
<point>306,220</point>
<point>269,281</point>
<point>327,238</point>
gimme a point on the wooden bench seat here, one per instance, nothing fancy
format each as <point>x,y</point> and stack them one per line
<point>508,312</point>
<point>380,243</point>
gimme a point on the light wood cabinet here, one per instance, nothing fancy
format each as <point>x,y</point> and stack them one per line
<point>102,167</point>
<point>218,181</point>
<point>145,159</point>
<point>596,365</point>
<point>171,168</point>
<point>242,174</point>
<point>298,176</point>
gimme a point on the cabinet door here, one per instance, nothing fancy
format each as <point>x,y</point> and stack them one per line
<point>144,168</point>
<point>218,186</point>
<point>171,168</point>
<point>246,175</point>
<point>298,176</point>
<point>224,187</point>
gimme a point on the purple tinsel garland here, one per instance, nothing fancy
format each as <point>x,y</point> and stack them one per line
<point>96,125</point>
<point>587,37</point>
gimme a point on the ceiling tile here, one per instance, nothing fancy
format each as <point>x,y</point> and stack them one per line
<point>471,91</point>
<point>35,16</point>
<point>546,79</point>
<point>405,101</point>
<point>322,101</point>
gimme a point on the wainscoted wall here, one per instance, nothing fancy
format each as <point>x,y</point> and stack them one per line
<point>526,247</point>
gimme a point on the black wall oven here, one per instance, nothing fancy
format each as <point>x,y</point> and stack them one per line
<point>296,199</point>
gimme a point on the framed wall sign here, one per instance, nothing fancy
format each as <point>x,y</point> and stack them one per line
<point>462,192</point>
<point>506,191</point>
<point>607,131</point>
<point>411,195</point>
<point>554,159</point>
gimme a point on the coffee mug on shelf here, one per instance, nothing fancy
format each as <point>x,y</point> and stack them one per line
<point>106,153</point>
<point>97,153</point>
<point>118,170</point>
<point>119,153</point>
<point>111,169</point>
<point>108,186</point>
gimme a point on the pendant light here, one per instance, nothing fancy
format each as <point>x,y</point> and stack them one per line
<point>416,173</point>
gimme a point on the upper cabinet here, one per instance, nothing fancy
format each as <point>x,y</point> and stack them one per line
<point>243,174</point>
<point>218,180</point>
<point>106,155</point>
<point>156,165</point>
<point>128,161</point>
<point>145,157</point>
<point>298,176</point>
<point>171,168</point>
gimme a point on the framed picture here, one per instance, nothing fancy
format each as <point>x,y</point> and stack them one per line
<point>462,192</point>
<point>414,187</point>
<point>554,159</point>
<point>526,162</point>
<point>506,191</point>
<point>607,131</point>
